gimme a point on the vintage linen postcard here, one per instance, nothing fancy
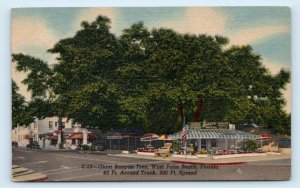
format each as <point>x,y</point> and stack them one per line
<point>151,94</point>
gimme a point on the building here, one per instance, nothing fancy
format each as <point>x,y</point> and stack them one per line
<point>46,132</point>
<point>81,136</point>
<point>21,135</point>
<point>215,136</point>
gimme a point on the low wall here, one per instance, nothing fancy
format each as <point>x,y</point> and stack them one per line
<point>183,156</point>
<point>239,155</point>
<point>285,151</point>
<point>271,147</point>
<point>146,153</point>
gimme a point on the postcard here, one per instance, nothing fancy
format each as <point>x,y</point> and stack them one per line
<point>151,94</point>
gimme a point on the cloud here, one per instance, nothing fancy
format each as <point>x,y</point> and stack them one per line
<point>29,31</point>
<point>18,77</point>
<point>251,35</point>
<point>90,14</point>
<point>200,20</point>
<point>274,68</point>
<point>287,93</point>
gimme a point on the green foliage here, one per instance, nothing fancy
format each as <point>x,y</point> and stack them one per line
<point>139,79</point>
<point>85,148</point>
<point>61,146</point>
<point>251,145</point>
<point>175,146</point>
<point>20,111</point>
<point>202,152</point>
<point>38,73</point>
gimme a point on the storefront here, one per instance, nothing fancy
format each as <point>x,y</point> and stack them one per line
<point>216,139</point>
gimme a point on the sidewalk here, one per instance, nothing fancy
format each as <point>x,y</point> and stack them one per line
<point>23,174</point>
<point>209,159</point>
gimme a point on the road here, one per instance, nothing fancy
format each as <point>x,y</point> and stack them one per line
<point>74,166</point>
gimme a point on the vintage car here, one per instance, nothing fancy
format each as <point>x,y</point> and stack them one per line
<point>33,145</point>
<point>164,151</point>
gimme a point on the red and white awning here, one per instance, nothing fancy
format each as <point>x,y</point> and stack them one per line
<point>149,137</point>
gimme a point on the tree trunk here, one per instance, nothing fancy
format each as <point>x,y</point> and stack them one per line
<point>60,128</point>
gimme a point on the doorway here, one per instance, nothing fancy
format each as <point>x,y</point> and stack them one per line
<point>203,144</point>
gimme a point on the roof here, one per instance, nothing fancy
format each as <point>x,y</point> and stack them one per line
<point>28,136</point>
<point>90,136</point>
<point>214,134</point>
<point>149,137</point>
<point>130,131</point>
<point>53,137</point>
<point>113,135</point>
<point>75,136</point>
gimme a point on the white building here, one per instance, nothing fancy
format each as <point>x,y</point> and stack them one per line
<point>214,136</point>
<point>21,135</point>
<point>43,131</point>
<point>46,132</point>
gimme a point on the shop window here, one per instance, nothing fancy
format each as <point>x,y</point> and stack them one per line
<point>63,124</point>
<point>203,144</point>
<point>50,124</point>
<point>213,143</point>
<point>53,142</point>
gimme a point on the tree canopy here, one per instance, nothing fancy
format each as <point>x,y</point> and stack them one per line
<point>20,110</point>
<point>140,78</point>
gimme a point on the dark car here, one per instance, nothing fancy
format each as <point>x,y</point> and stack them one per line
<point>14,144</point>
<point>33,145</point>
<point>284,142</point>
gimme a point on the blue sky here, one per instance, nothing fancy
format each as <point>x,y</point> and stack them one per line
<point>267,29</point>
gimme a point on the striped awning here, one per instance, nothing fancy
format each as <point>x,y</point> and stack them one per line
<point>215,134</point>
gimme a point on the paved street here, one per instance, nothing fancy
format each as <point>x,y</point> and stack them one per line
<point>73,166</point>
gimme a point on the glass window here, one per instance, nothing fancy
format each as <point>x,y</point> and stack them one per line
<point>213,143</point>
<point>63,124</point>
<point>50,124</point>
<point>203,144</point>
<point>56,124</point>
<point>53,142</point>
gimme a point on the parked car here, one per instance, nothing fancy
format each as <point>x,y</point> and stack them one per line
<point>14,144</point>
<point>33,145</point>
<point>284,142</point>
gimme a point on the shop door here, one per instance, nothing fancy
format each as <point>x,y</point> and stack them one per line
<point>203,144</point>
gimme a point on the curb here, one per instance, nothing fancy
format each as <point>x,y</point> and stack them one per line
<point>21,174</point>
<point>200,163</point>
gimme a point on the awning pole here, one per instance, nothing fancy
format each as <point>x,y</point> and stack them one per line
<point>185,145</point>
<point>128,143</point>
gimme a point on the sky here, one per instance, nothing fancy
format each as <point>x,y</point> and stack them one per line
<point>266,29</point>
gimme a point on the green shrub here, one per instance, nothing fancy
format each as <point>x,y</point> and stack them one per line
<point>61,146</point>
<point>93,148</point>
<point>175,146</point>
<point>202,152</point>
<point>100,148</point>
<point>85,147</point>
<point>251,145</point>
